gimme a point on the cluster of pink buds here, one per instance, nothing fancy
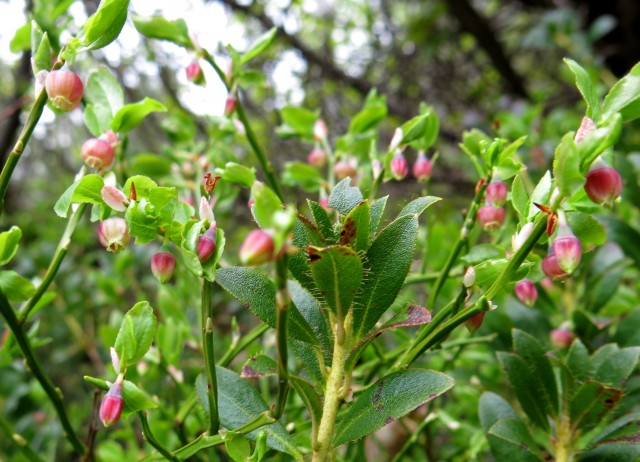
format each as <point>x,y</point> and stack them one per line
<point>97,153</point>
<point>64,89</point>
<point>194,73</point>
<point>113,234</point>
<point>491,216</point>
<point>258,248</point>
<point>163,264</point>
<point>112,404</point>
<point>399,166</point>
<point>422,167</point>
<point>526,292</point>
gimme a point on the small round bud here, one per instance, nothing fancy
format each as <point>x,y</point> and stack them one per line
<point>163,263</point>
<point>194,73</point>
<point>474,322</point>
<point>399,166</point>
<point>112,405</point>
<point>490,218</point>
<point>97,153</point>
<point>562,338</point>
<point>113,234</point>
<point>320,130</point>
<point>603,185</point>
<point>552,270</point>
<point>114,198</point>
<point>206,245</point>
<point>230,105</point>
<point>496,193</point>
<point>345,168</point>
<point>422,167</point>
<point>317,157</point>
<point>526,292</point>
<point>257,248</point>
<point>64,89</point>
<point>324,202</point>
<point>568,252</point>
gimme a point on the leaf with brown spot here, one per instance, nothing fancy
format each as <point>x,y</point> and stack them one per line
<point>591,403</point>
<point>259,366</point>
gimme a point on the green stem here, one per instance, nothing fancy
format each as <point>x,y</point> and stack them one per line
<point>151,439</point>
<point>210,364</point>
<point>53,393</point>
<point>417,278</point>
<point>245,341</point>
<point>207,441</point>
<point>265,164</point>
<point>14,156</point>
<point>54,266</point>
<point>19,441</point>
<point>283,299</point>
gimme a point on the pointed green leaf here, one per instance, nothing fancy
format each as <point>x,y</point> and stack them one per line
<point>310,398</point>
<point>104,26</point>
<point>591,402</point>
<point>9,241</point>
<point>515,441</point>
<point>237,173</point>
<point>266,204</point>
<point>355,228</point>
<point>322,221</point>
<point>377,210</point>
<point>519,198</point>
<point>618,366</point>
<point>587,88</point>
<point>260,45</point>
<point>492,408</point>
<point>344,197</point>
<point>15,287</point>
<point>390,398</point>
<point>310,310</point>
<point>105,93</point>
<point>418,206</point>
<point>157,27</point>
<point>134,398</point>
<point>566,167</point>
<point>142,221</point>
<point>88,190</point>
<point>624,96</point>
<point>259,366</point>
<point>237,445</point>
<point>136,334</point>
<point>540,195</point>
<point>132,115</point>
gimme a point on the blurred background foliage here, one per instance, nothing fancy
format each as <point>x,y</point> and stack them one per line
<point>492,64</point>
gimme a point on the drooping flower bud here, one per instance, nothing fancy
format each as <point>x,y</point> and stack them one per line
<point>490,218</point>
<point>496,193</point>
<point>526,292</point>
<point>603,185</point>
<point>317,157</point>
<point>97,153</point>
<point>257,248</point>
<point>562,337</point>
<point>469,278</point>
<point>422,167</point>
<point>521,236</point>
<point>112,405</point>
<point>163,263</point>
<point>399,166</point>
<point>587,125</point>
<point>320,130</point>
<point>345,168</point>
<point>552,270</point>
<point>230,105</point>
<point>194,73</point>
<point>567,249</point>
<point>64,89</point>
<point>113,234</point>
<point>474,322</point>
<point>114,198</point>
<point>206,245</point>
<point>205,211</point>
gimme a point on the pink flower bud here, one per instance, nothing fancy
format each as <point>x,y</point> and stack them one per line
<point>206,245</point>
<point>474,322</point>
<point>603,185</point>
<point>110,138</point>
<point>194,73</point>
<point>206,213</point>
<point>399,166</point>
<point>587,125</point>
<point>163,263</point>
<point>257,248</point>
<point>324,202</point>
<point>112,405</point>
<point>114,198</point>
<point>113,234</point>
<point>526,292</point>
<point>64,89</point>
<point>552,270</point>
<point>496,193</point>
<point>320,130</point>
<point>490,218</point>
<point>562,338</point>
<point>97,153</point>
<point>317,157</point>
<point>422,167</point>
<point>230,105</point>
<point>344,168</point>
<point>568,251</point>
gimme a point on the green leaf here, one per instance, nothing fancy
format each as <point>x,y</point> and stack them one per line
<point>615,452</point>
<point>492,408</point>
<point>624,97</point>
<point>577,360</point>
<point>239,403</point>
<point>521,378</point>
<point>587,88</point>
<point>131,115</point>
<point>135,335</point>
<point>61,207</point>
<point>258,293</point>
<point>419,205</point>
<point>518,439</point>
<point>95,120</point>
<point>303,175</point>
<point>260,45</point>
<point>309,309</point>
<point>377,210</point>
<point>266,204</point>
<point>591,402</point>
<point>374,112</point>
<point>9,241</point>
<point>42,55</point>
<point>386,264</point>
<point>143,186</point>
<point>355,228</point>
<point>541,194</point>
<point>299,261</point>
<point>322,221</point>
<point>165,201</point>
<point>309,397</point>
<point>142,221</point>
<point>344,197</point>
<point>337,271</point>
<point>21,40</point>
<point>587,229</point>
<point>480,253</point>
<point>134,398</point>
<point>623,427</point>
<point>237,445</point>
<point>297,121</point>
<point>535,356</point>
<point>16,287</point>
<point>519,199</point>
<point>88,190</point>
<point>239,174</point>
<point>105,96</point>
<point>157,27</point>
<point>149,164</point>
<point>597,141</point>
<point>566,167</point>
<point>259,366</point>
<point>618,366</point>
<point>104,26</point>
<point>488,271</point>
<point>191,234</point>
<point>392,397</point>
